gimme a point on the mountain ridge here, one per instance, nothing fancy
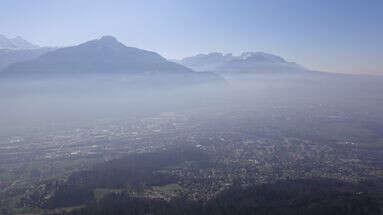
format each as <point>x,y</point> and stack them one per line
<point>11,56</point>
<point>105,57</point>
<point>247,62</point>
<point>15,43</point>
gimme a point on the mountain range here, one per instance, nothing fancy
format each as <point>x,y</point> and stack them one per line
<point>106,57</point>
<point>247,62</point>
<point>15,43</point>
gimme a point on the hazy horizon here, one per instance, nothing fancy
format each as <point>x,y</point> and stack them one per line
<point>101,113</point>
<point>340,37</point>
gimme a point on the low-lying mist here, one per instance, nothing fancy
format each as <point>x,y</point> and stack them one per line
<point>24,102</point>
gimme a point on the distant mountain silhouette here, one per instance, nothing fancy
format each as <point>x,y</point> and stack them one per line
<point>11,56</point>
<point>105,57</point>
<point>247,62</point>
<point>15,43</point>
<point>21,43</point>
<point>206,62</point>
<point>5,43</point>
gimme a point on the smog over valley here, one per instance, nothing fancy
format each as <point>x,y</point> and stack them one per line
<point>260,107</point>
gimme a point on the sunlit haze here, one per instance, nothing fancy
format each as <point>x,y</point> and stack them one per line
<point>191,107</point>
<point>340,36</point>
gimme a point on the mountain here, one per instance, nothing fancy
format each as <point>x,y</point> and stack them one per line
<point>5,43</point>
<point>21,43</point>
<point>15,43</point>
<point>247,62</point>
<point>11,56</point>
<point>105,57</point>
<point>206,62</point>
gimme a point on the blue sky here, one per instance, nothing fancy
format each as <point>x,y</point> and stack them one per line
<point>343,36</point>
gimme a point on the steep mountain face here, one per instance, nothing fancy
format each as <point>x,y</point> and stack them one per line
<point>247,62</point>
<point>104,57</point>
<point>15,43</point>
<point>8,56</point>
